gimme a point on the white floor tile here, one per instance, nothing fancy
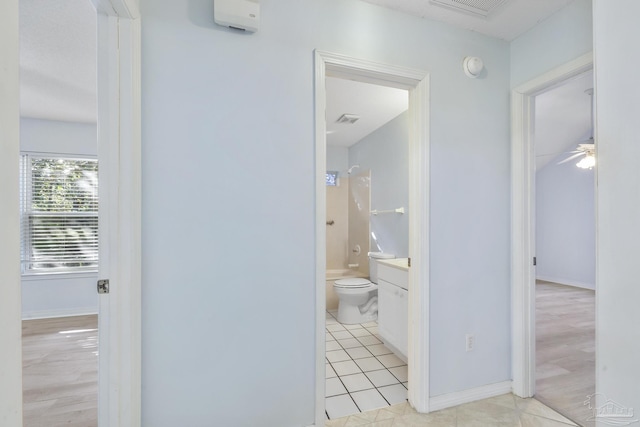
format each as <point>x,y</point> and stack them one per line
<point>378,349</point>
<point>373,329</point>
<point>400,372</point>
<point>337,356</point>
<point>390,360</point>
<point>332,345</point>
<point>358,352</point>
<point>355,326</point>
<point>369,340</point>
<point>347,367</point>
<point>341,335</point>
<point>369,364</point>
<point>350,343</point>
<point>356,382</point>
<point>406,385</point>
<point>360,332</point>
<point>394,393</point>
<point>334,387</point>
<point>329,372</point>
<point>329,337</point>
<point>333,312</point>
<point>340,406</point>
<point>369,399</point>
<point>330,321</point>
<point>370,324</point>
<point>381,378</point>
<point>335,327</point>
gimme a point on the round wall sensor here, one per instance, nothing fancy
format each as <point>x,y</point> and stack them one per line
<point>472,66</point>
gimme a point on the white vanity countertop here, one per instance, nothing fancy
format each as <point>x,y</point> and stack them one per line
<point>399,263</point>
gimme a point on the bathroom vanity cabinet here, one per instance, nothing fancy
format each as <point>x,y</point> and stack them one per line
<point>393,304</point>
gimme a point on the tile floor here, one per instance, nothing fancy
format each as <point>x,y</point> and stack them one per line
<point>500,411</point>
<point>362,374</point>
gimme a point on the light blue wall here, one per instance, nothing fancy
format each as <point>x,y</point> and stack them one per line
<point>560,38</point>
<point>229,207</point>
<point>69,294</point>
<point>618,176</point>
<point>385,152</point>
<point>338,159</point>
<point>565,224</point>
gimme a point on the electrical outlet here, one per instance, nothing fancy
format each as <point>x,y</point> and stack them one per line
<point>470,342</point>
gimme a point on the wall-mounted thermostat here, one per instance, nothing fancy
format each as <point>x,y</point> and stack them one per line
<point>238,14</point>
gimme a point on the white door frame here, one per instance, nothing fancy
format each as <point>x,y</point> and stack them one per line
<point>417,83</point>
<point>10,306</point>
<point>523,276</point>
<point>119,146</point>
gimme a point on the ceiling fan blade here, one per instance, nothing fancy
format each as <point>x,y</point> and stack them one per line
<point>575,156</point>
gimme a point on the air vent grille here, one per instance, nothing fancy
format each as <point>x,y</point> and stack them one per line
<point>476,7</point>
<point>348,119</point>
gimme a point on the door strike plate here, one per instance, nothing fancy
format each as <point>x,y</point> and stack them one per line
<point>103,286</point>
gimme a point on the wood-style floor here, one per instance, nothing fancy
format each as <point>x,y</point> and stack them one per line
<point>565,349</point>
<point>60,372</point>
<point>60,361</point>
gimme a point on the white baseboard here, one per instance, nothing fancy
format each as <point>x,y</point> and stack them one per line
<point>48,314</point>
<point>458,398</point>
<point>583,285</point>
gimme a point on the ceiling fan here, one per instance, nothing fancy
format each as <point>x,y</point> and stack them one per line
<point>586,148</point>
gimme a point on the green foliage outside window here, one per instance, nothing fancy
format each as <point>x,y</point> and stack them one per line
<point>60,214</point>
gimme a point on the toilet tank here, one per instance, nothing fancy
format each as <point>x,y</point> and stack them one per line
<point>373,264</point>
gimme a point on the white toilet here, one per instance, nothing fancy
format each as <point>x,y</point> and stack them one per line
<point>358,298</point>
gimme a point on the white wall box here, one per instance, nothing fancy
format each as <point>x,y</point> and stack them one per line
<point>238,14</point>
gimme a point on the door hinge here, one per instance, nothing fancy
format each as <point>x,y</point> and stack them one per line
<point>103,286</point>
<point>535,261</point>
<point>409,262</point>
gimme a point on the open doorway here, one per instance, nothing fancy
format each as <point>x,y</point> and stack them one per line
<point>59,212</point>
<point>367,232</point>
<point>565,247</point>
<point>119,153</point>
<point>523,258</point>
<point>417,84</point>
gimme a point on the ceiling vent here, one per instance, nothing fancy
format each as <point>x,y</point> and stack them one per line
<point>476,7</point>
<point>348,119</point>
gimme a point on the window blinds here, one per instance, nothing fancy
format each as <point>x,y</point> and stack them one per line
<point>59,207</point>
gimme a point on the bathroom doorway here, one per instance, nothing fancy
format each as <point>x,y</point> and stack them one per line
<point>371,196</point>
<point>366,199</point>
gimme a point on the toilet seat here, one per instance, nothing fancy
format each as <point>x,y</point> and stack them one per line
<point>352,283</point>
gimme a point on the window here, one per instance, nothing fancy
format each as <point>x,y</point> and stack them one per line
<point>332,178</point>
<point>59,214</point>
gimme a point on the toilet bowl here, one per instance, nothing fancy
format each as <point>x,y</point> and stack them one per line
<point>357,300</point>
<point>357,297</point>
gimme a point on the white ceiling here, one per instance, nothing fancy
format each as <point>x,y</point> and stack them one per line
<point>562,120</point>
<point>58,55</point>
<point>375,105</point>
<point>507,22</point>
<point>58,60</point>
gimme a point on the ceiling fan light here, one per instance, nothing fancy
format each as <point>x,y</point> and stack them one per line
<point>587,162</point>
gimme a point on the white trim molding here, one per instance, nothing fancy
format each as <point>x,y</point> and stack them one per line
<point>119,147</point>
<point>49,314</point>
<point>567,282</point>
<point>471,395</point>
<point>523,218</point>
<point>417,83</point>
